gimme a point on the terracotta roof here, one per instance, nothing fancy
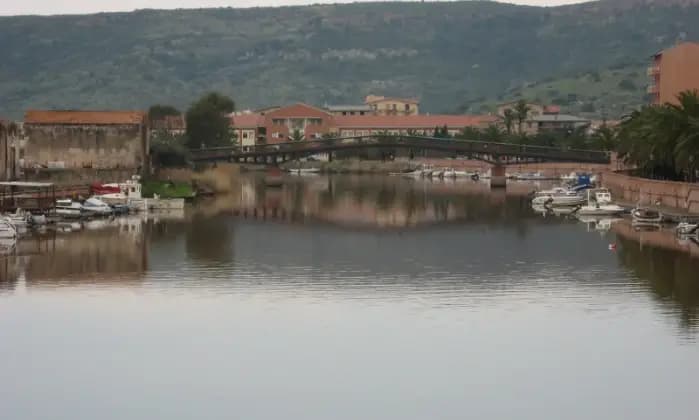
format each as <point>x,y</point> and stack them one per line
<point>247,121</point>
<point>412,121</point>
<point>84,117</point>
<point>169,122</point>
<point>298,110</point>
<point>388,98</point>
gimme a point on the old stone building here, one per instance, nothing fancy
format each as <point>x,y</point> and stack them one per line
<point>86,139</point>
<point>9,139</point>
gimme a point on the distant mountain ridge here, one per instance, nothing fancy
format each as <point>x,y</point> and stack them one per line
<point>454,56</point>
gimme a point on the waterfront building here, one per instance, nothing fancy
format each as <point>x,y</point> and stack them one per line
<point>561,123</point>
<point>10,135</point>
<point>420,125</point>
<point>349,109</point>
<point>382,105</point>
<point>86,139</point>
<point>248,130</point>
<point>279,125</point>
<point>673,71</point>
<point>174,125</point>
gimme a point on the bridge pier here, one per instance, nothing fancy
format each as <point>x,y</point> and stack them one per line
<point>498,178</point>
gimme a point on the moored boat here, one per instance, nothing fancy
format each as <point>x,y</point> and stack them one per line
<point>597,209</point>
<point>558,197</point>
<point>97,207</point>
<point>641,215</point>
<point>7,229</point>
<point>69,209</point>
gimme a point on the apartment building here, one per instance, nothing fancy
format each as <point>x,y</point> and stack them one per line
<point>673,71</point>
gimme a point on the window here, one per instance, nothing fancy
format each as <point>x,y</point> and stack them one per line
<point>407,107</point>
<point>245,134</point>
<point>315,121</point>
<point>394,107</point>
<point>278,121</point>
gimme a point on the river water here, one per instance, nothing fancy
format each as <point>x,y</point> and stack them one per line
<point>347,298</point>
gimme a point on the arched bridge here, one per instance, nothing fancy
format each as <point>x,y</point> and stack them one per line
<point>487,151</point>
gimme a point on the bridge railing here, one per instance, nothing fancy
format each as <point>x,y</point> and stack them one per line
<point>418,142</point>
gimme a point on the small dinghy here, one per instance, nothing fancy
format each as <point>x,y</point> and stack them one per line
<point>642,215</point>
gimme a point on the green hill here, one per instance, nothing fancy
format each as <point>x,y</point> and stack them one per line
<point>452,55</point>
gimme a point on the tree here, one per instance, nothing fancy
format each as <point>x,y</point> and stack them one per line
<point>470,133</point>
<point>604,138</point>
<point>663,141</point>
<point>158,112</point>
<point>508,120</point>
<point>521,111</point>
<point>207,121</point>
<point>493,133</point>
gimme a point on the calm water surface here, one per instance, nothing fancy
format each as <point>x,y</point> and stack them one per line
<point>347,298</point>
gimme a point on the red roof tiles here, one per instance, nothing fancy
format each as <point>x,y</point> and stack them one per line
<point>84,117</point>
<point>412,121</point>
<point>247,121</point>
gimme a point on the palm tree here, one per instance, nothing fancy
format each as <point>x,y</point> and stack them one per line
<point>521,111</point>
<point>604,138</point>
<point>493,133</point>
<point>508,119</point>
<point>685,126</point>
<point>296,136</point>
<point>470,133</point>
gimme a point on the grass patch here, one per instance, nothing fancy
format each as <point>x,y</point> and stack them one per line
<point>167,189</point>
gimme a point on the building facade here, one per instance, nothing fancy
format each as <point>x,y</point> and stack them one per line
<point>86,139</point>
<point>418,125</point>
<point>9,141</point>
<point>349,109</point>
<point>311,123</point>
<point>673,71</point>
<point>381,105</point>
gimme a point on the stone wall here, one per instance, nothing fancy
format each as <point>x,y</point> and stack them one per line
<point>85,146</point>
<point>77,176</point>
<point>677,195</point>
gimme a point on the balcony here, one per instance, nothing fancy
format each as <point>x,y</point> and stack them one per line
<point>653,71</point>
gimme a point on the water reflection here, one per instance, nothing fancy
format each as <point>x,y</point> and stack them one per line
<point>377,237</point>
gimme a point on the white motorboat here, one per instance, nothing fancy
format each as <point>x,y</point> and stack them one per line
<point>20,219</point>
<point>558,197</point>
<point>97,207</point>
<point>599,203</point>
<point>596,209</point>
<point>555,211</point>
<point>601,196</point>
<point>119,193</point>
<point>642,215</point>
<point>69,209</point>
<point>7,228</point>
<point>439,173</point>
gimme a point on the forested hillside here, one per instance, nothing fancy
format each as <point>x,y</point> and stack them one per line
<point>454,56</point>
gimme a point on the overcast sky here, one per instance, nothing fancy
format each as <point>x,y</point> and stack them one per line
<point>50,7</point>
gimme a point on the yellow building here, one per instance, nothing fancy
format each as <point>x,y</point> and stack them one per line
<point>382,105</point>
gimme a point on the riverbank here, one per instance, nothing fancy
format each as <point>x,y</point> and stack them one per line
<point>679,197</point>
<point>550,169</point>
